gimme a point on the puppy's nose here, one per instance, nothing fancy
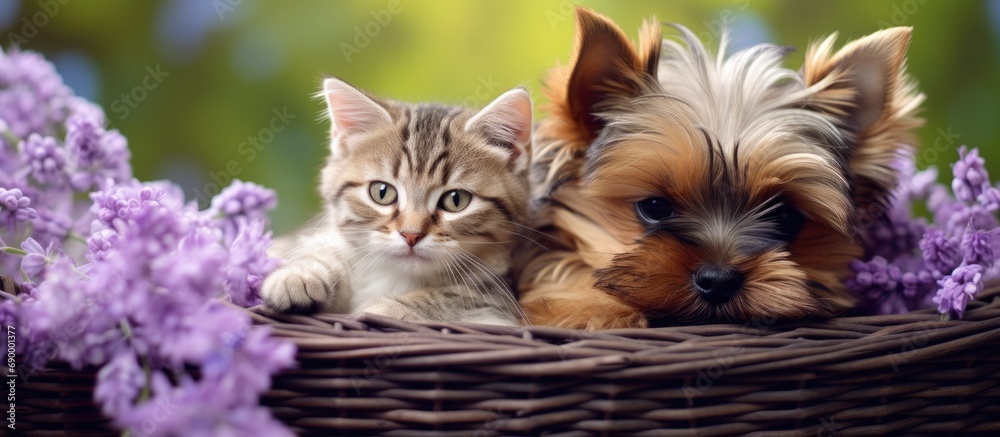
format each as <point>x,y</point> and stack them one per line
<point>412,238</point>
<point>717,284</point>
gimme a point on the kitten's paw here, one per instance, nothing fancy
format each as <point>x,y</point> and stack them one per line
<point>389,307</point>
<point>306,287</point>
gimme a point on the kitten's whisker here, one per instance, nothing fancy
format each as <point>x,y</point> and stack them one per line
<point>309,248</point>
<point>528,228</point>
<point>483,242</point>
<point>505,291</point>
<point>485,295</point>
<point>449,267</point>
<point>524,236</point>
<point>348,271</point>
<point>377,260</point>
<point>302,250</point>
<point>321,220</point>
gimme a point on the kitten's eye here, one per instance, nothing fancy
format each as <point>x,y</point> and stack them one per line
<point>788,219</point>
<point>654,209</point>
<point>455,200</point>
<point>382,193</point>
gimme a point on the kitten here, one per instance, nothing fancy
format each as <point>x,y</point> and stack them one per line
<point>689,187</point>
<point>422,204</point>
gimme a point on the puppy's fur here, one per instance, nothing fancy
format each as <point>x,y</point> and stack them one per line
<point>752,169</point>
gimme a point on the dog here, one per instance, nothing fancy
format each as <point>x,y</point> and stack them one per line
<point>681,186</point>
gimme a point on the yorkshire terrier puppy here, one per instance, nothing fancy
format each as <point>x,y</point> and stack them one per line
<point>688,187</point>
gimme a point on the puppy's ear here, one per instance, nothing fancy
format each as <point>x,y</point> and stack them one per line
<point>606,66</point>
<point>864,88</point>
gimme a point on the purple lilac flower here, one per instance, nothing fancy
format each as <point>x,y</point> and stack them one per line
<point>72,318</point>
<point>248,264</point>
<point>990,199</point>
<point>97,155</point>
<point>99,243</point>
<point>958,288</point>
<point>242,202</point>
<point>15,208</point>
<point>940,252</point>
<point>246,363</point>
<point>892,287</point>
<point>975,215</point>
<point>198,409</point>
<point>225,397</point>
<point>893,234</point>
<point>151,234</point>
<point>970,175</point>
<point>33,97</point>
<point>51,226</point>
<point>942,205</point>
<point>151,294</point>
<point>916,184</point>
<point>36,258</point>
<point>196,335</point>
<point>962,233</point>
<point>190,280</point>
<point>117,204</point>
<point>119,383</point>
<point>10,315</point>
<point>978,246</point>
<point>45,159</point>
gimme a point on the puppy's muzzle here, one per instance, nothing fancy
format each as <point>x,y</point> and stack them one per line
<point>717,284</point>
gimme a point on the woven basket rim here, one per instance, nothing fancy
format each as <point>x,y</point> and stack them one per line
<point>263,315</point>
<point>371,375</point>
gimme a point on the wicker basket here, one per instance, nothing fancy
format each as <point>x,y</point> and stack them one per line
<point>370,375</point>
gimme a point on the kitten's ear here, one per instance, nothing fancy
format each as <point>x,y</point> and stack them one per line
<point>605,66</point>
<point>864,88</point>
<point>351,112</point>
<point>507,122</point>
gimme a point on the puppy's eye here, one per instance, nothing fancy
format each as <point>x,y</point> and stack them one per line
<point>382,193</point>
<point>654,209</point>
<point>789,221</point>
<point>455,200</point>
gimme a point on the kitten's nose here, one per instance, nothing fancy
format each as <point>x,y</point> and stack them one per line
<point>412,238</point>
<point>717,284</point>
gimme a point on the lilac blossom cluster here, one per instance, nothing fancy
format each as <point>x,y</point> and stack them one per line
<point>126,277</point>
<point>913,263</point>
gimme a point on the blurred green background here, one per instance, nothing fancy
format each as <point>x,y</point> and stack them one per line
<point>206,90</point>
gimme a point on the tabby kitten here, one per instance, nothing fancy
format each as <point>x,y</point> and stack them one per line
<point>422,202</point>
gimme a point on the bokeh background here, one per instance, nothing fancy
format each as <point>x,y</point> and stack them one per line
<point>208,90</point>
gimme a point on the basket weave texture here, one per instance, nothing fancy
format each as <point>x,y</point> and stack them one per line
<point>370,375</point>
